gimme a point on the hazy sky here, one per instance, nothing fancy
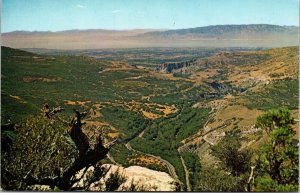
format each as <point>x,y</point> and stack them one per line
<point>57,15</point>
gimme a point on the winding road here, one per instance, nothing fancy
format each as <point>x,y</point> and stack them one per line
<point>187,175</point>
<point>170,167</point>
<point>204,146</point>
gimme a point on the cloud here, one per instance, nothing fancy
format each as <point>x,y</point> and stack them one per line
<point>115,11</point>
<point>80,6</point>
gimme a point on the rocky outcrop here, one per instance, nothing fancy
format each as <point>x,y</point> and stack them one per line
<point>221,88</point>
<point>143,178</point>
<point>173,67</point>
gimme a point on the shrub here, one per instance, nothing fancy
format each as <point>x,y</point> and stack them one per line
<point>41,149</point>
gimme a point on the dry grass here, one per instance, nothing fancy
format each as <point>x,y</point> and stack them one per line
<point>283,63</point>
<point>18,98</point>
<point>117,66</point>
<point>147,160</point>
<point>80,103</point>
<point>139,107</point>
<point>149,115</point>
<point>42,79</point>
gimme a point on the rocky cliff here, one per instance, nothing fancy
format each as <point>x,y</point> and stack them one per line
<point>173,67</point>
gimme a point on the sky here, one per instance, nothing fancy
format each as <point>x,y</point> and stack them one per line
<point>59,15</point>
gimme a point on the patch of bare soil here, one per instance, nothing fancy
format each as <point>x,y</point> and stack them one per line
<point>147,160</point>
<point>80,103</point>
<point>18,98</point>
<point>117,66</point>
<point>152,109</point>
<point>42,79</point>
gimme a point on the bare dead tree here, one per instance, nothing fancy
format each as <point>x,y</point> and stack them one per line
<point>251,178</point>
<point>88,155</point>
<point>49,113</point>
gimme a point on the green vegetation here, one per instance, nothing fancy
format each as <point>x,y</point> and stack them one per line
<point>118,94</point>
<point>275,95</point>
<point>163,136</point>
<point>30,80</point>
<point>278,163</point>
<point>121,154</point>
<point>193,165</point>
<point>181,75</point>
<point>128,122</point>
<point>232,159</point>
<point>215,180</point>
<point>232,169</point>
<point>41,149</point>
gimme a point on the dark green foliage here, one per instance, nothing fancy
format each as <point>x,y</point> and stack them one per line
<point>235,166</point>
<point>215,180</point>
<point>193,165</point>
<point>232,158</point>
<point>8,136</point>
<point>129,122</point>
<point>275,118</point>
<point>121,154</point>
<point>114,181</point>
<point>266,184</point>
<point>41,149</point>
<point>56,189</point>
<point>150,57</point>
<point>57,79</point>
<point>181,75</point>
<point>278,163</point>
<point>276,95</point>
<point>163,136</point>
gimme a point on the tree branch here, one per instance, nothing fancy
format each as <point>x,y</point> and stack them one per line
<point>251,177</point>
<point>87,156</point>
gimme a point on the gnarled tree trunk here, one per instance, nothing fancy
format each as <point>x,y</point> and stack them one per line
<point>88,156</point>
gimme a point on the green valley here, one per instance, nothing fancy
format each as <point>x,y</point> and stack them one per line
<point>166,121</point>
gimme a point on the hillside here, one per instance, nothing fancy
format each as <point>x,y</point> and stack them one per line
<point>256,35</point>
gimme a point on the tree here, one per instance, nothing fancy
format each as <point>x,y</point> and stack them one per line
<point>235,166</point>
<point>274,119</point>
<point>44,153</point>
<point>278,163</point>
<point>233,159</point>
<point>212,179</point>
<point>41,149</point>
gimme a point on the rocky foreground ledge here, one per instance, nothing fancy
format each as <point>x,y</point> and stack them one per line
<point>143,178</point>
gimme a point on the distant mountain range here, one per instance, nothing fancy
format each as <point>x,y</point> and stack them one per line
<point>255,35</point>
<point>226,31</point>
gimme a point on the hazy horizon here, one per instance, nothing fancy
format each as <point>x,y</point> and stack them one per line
<point>123,15</point>
<point>136,29</point>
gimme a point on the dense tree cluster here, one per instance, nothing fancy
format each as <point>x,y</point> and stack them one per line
<point>278,161</point>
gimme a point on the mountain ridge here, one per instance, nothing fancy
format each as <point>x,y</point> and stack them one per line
<point>147,29</point>
<point>254,35</point>
<point>214,31</point>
